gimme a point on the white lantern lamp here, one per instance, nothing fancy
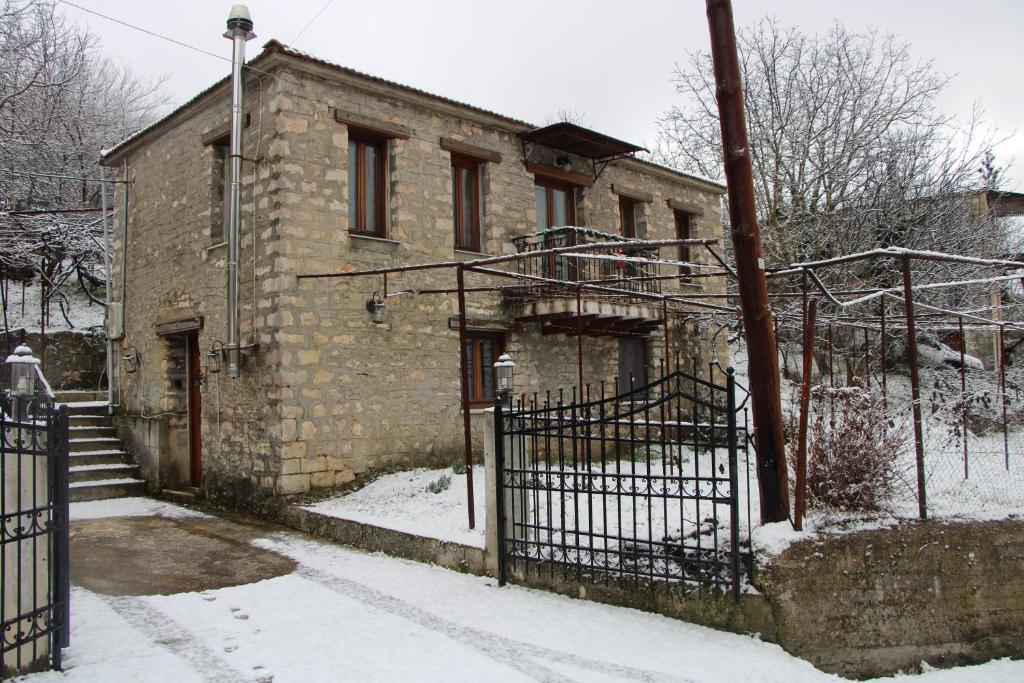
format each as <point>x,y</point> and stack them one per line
<point>504,373</point>
<point>23,372</point>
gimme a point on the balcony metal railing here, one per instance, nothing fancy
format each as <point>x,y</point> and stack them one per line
<point>602,268</point>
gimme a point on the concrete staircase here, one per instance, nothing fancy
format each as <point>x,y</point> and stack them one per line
<point>98,464</point>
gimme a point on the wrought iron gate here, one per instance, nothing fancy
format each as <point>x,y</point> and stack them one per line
<point>34,535</point>
<point>643,484</point>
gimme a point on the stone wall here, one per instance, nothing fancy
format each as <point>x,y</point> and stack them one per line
<point>176,269</point>
<point>329,396</point>
<point>74,359</point>
<point>874,602</point>
<point>360,397</point>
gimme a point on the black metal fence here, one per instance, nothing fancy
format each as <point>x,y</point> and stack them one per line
<point>643,484</point>
<point>34,535</point>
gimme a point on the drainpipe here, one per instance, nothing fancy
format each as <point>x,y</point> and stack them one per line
<point>239,31</point>
<point>124,253</point>
<point>107,267</point>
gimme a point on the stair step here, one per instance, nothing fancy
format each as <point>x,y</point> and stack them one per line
<point>76,408</point>
<point>109,457</point>
<point>96,431</point>
<point>102,443</point>
<point>101,471</point>
<point>77,396</point>
<point>88,420</point>
<point>107,488</point>
<point>185,495</point>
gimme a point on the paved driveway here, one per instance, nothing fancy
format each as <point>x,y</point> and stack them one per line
<point>164,594</point>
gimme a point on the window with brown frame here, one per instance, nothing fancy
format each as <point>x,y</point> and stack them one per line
<point>556,203</point>
<point>466,202</point>
<point>683,232</point>
<point>367,189</point>
<point>482,350</point>
<point>627,216</point>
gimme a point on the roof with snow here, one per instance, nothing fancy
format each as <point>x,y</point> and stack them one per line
<point>275,47</point>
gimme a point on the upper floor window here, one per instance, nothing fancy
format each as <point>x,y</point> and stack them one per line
<point>220,181</point>
<point>684,231</point>
<point>466,202</point>
<point>367,190</point>
<point>628,209</point>
<point>556,203</point>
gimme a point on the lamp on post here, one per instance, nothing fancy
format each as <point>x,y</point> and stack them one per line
<point>504,372</point>
<point>23,378</point>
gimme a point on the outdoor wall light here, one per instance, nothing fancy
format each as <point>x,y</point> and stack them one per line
<point>213,359</point>
<point>131,359</point>
<point>504,372</point>
<point>23,372</point>
<point>377,308</point>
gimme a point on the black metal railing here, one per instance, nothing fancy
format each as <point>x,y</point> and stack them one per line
<point>613,268</point>
<point>641,483</point>
<point>34,623</point>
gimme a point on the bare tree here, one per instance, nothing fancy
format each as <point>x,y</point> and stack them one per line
<point>61,102</point>
<point>849,149</point>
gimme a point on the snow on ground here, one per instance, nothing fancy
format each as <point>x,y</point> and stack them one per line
<point>129,507</point>
<point>349,615</point>
<point>83,313</point>
<point>402,502</point>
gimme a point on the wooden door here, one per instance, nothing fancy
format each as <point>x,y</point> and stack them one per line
<point>632,363</point>
<point>195,410</point>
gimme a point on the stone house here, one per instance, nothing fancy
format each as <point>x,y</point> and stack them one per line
<point>343,171</point>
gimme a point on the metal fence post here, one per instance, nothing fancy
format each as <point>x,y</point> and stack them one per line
<point>915,390</point>
<point>734,499</point>
<point>499,485</point>
<point>60,460</point>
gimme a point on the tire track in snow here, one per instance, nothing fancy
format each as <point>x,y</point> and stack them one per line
<point>523,657</point>
<point>167,633</point>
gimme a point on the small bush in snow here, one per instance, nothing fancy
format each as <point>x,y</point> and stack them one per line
<point>441,485</point>
<point>853,445</point>
<point>459,468</point>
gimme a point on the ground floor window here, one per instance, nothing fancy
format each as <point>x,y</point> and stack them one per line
<point>482,350</point>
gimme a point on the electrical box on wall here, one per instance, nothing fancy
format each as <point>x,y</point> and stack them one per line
<point>114,330</point>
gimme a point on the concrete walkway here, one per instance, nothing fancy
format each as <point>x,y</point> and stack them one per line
<point>166,594</point>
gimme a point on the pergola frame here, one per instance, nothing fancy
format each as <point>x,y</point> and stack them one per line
<point>697,304</point>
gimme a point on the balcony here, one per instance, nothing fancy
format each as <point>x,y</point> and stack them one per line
<point>601,313</point>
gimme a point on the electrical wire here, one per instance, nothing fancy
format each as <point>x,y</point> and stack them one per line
<point>310,22</point>
<point>175,41</point>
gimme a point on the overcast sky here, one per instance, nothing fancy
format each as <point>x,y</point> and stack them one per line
<point>611,61</point>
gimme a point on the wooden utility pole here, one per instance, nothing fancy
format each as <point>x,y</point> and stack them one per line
<point>763,361</point>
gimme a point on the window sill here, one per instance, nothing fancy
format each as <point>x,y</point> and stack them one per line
<point>469,254</point>
<point>372,243</point>
<point>479,410</point>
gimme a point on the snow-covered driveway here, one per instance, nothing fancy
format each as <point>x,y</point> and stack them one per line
<point>349,615</point>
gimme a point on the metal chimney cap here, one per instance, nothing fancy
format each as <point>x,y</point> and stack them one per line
<point>240,22</point>
<point>240,12</point>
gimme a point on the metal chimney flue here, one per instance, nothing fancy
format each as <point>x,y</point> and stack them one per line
<point>239,32</point>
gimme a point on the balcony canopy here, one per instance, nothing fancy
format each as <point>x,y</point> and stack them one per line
<point>568,137</point>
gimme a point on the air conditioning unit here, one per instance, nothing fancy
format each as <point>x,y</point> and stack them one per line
<point>113,323</point>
